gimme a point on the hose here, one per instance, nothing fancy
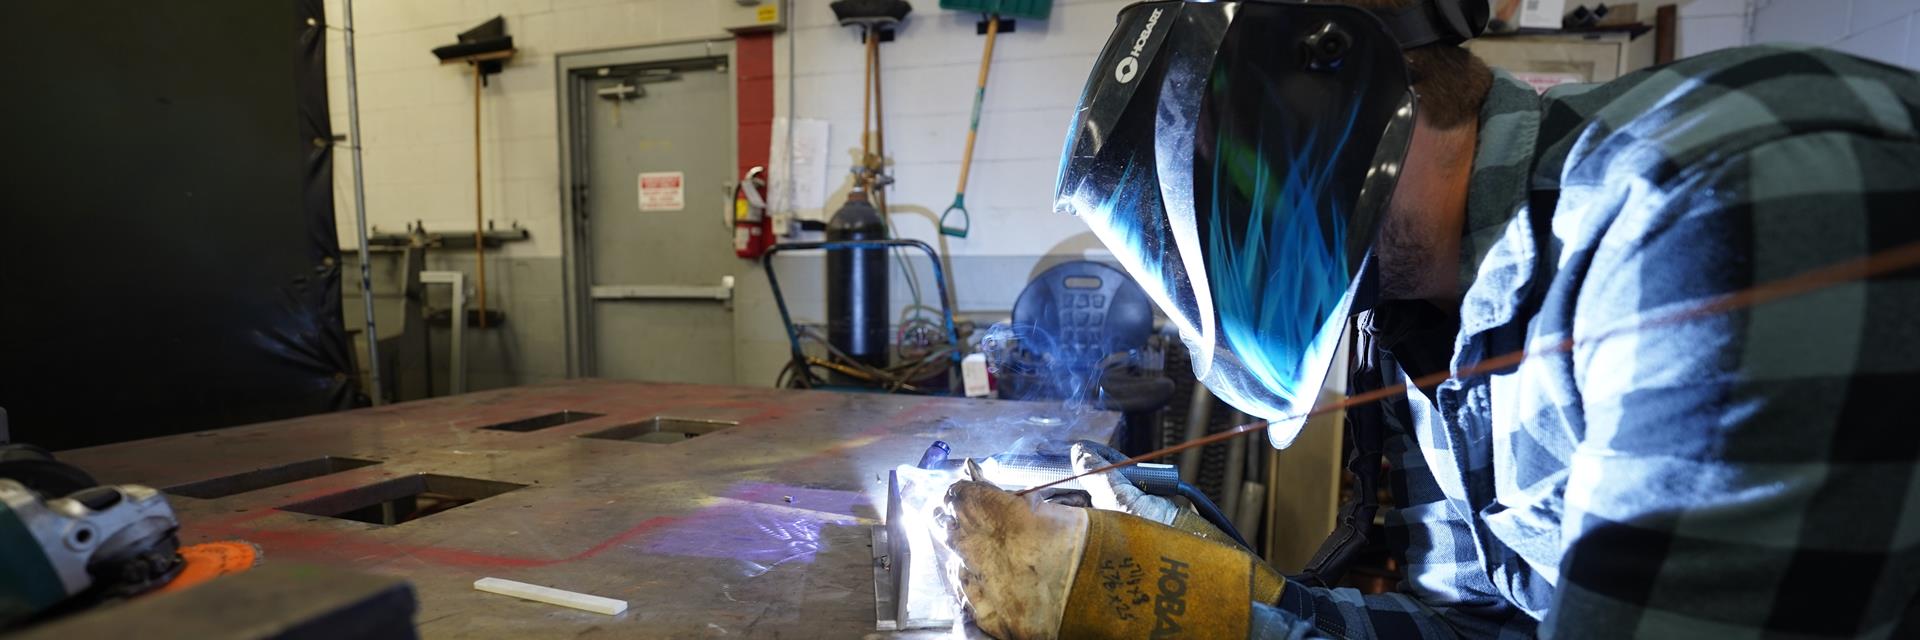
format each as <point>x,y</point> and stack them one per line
<point>898,378</point>
<point>1212,513</point>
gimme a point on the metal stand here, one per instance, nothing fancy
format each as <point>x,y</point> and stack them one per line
<point>360,206</point>
<point>457,346</point>
<point>479,195</point>
<point>793,332</point>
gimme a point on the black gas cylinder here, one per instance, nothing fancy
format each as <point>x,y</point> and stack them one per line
<point>857,283</point>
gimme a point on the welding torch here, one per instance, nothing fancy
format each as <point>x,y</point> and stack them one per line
<point>1020,471</point>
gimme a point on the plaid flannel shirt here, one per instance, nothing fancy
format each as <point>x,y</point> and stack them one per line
<point>1742,474</point>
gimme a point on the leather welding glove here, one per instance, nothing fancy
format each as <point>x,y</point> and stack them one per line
<point>1030,569</point>
<point>1112,492</point>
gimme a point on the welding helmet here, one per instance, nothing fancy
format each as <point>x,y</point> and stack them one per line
<point>1236,157</point>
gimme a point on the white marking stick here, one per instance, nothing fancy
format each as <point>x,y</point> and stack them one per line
<point>551,595</point>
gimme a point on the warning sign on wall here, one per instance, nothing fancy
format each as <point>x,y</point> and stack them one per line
<point>663,191</point>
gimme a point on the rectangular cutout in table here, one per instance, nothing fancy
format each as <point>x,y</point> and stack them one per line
<point>258,479</point>
<point>661,430</point>
<point>403,499</point>
<point>543,421</point>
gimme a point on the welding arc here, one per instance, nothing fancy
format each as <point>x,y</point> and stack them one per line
<point>1878,264</point>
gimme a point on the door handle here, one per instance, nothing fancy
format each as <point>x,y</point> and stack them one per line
<point>722,293</point>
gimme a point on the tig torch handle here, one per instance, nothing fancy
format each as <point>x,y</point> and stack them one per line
<point>1155,479</point>
<point>1028,470</point>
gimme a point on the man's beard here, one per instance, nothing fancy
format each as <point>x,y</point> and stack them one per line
<point>1402,253</point>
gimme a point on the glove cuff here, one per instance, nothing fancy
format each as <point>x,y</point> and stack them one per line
<point>1139,578</point>
<point>1190,522</point>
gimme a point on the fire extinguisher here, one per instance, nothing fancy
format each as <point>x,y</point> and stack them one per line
<point>752,227</point>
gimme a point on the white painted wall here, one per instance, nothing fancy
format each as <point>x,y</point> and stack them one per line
<point>1707,25</point>
<point>417,121</point>
<point>417,133</point>
<point>928,80</point>
<point>1884,30</point>
<point>416,116</point>
<point>417,126</point>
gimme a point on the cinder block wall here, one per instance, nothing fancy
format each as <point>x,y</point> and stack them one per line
<point>417,130</point>
<point>1884,30</point>
<point>416,118</point>
<point>928,75</point>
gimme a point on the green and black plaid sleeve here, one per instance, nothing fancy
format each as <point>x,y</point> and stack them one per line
<point>1737,474</point>
<point>1754,471</point>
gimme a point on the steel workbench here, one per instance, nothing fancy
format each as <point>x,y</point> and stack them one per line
<point>744,512</point>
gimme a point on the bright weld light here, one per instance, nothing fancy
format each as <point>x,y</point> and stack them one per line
<point>922,491</point>
<point>1016,478</point>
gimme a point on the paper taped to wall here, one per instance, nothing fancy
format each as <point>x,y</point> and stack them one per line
<point>1542,14</point>
<point>802,191</point>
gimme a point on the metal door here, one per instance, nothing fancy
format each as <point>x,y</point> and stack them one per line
<point>658,260</point>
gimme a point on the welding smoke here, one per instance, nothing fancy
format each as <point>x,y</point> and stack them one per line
<point>1032,364</point>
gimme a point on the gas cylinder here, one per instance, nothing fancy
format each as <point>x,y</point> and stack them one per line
<point>857,283</point>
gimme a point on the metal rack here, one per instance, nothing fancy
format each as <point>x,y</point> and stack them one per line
<point>799,357</point>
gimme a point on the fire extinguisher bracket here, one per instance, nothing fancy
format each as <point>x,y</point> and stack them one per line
<point>752,227</point>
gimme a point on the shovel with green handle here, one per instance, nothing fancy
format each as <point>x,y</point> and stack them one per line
<point>973,131</point>
<point>1036,9</point>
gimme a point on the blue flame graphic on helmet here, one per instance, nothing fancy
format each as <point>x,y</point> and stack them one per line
<point>1275,287</point>
<point>1136,242</point>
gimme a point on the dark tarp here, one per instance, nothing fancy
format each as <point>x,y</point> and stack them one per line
<point>168,258</point>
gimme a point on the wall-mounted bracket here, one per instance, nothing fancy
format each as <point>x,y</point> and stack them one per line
<point>1007,25</point>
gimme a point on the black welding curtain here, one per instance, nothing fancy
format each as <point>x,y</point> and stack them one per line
<point>168,258</point>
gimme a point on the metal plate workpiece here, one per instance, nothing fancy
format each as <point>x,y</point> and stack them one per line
<point>758,529</point>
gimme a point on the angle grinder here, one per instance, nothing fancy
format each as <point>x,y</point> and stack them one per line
<point>90,543</point>
<point>68,542</point>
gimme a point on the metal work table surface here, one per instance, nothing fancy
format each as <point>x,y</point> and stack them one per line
<point>758,529</point>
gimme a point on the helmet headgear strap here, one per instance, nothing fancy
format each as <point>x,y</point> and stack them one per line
<point>1430,22</point>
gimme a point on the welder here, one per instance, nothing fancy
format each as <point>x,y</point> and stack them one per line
<point>1275,172</point>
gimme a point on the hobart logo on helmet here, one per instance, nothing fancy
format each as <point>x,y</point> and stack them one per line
<point>1130,65</point>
